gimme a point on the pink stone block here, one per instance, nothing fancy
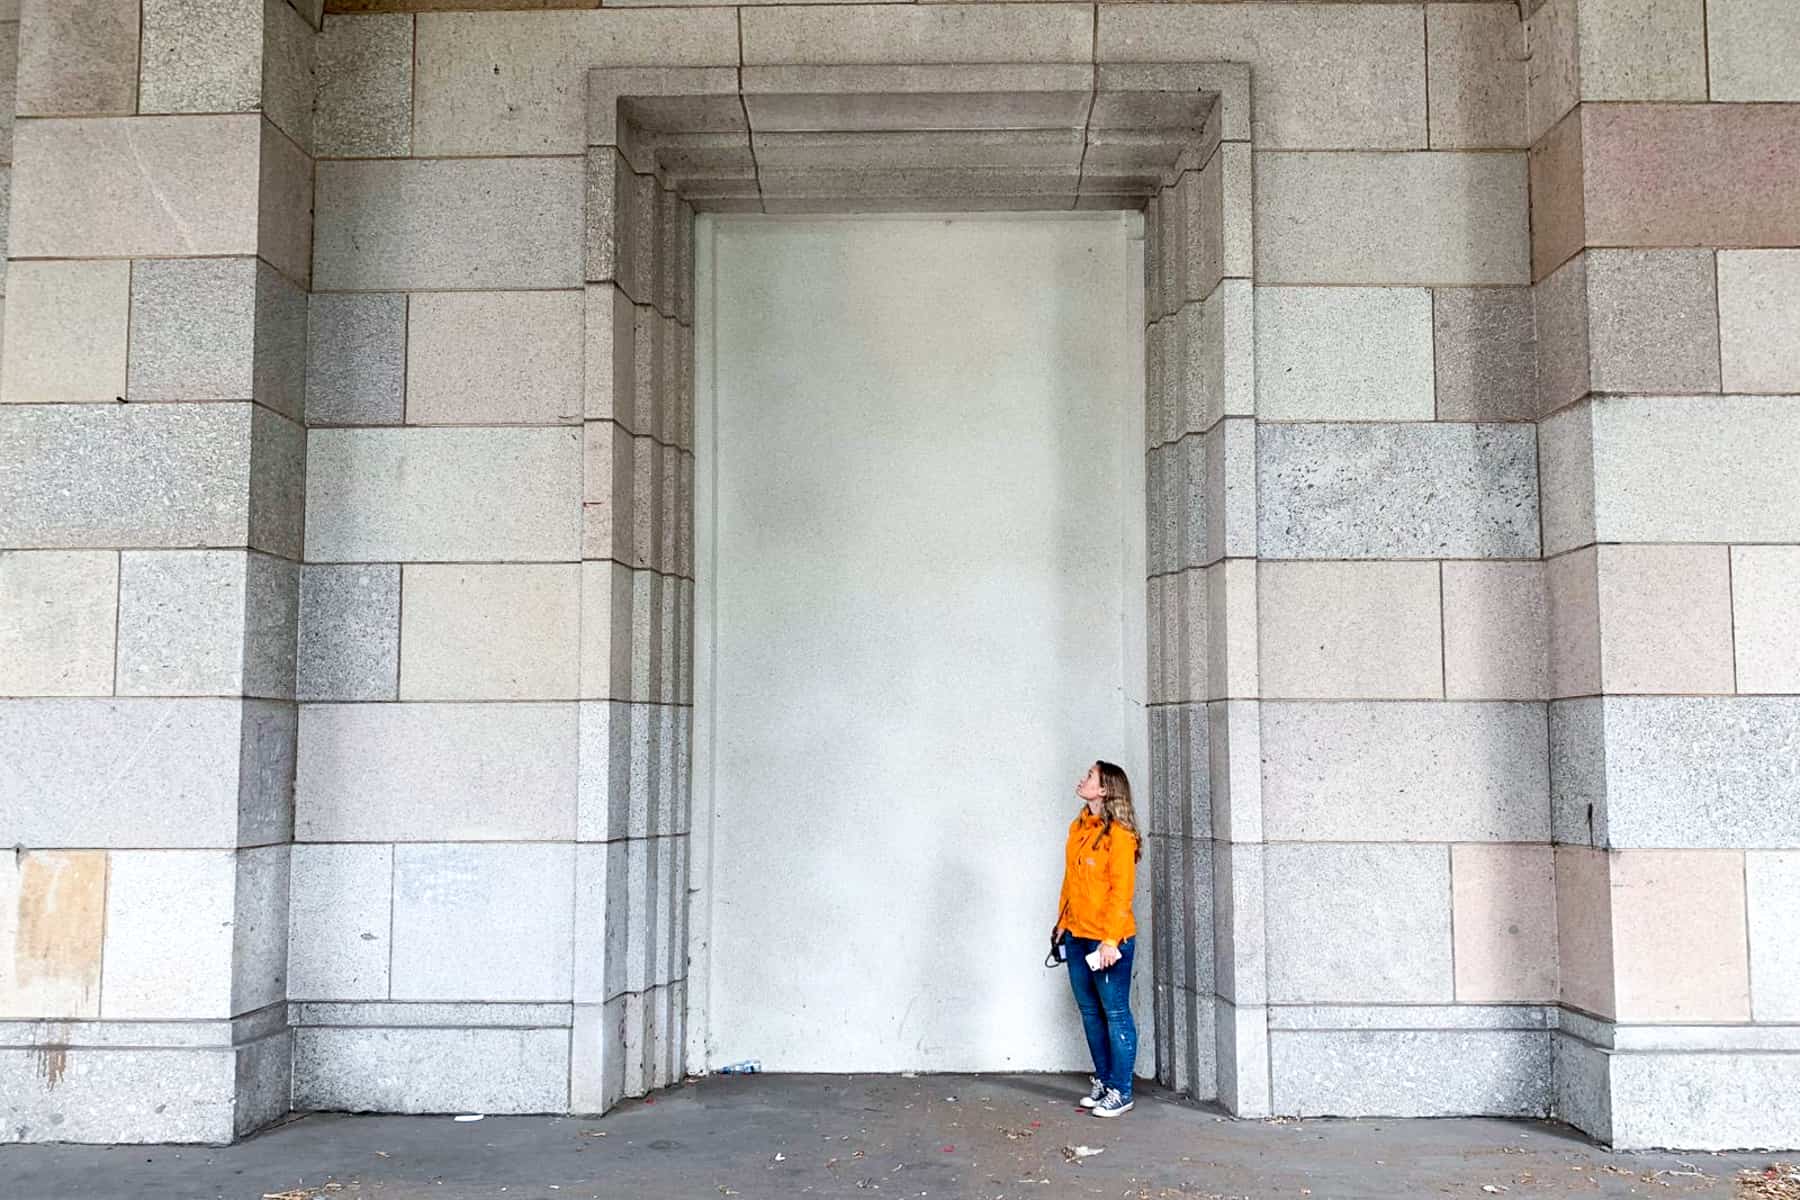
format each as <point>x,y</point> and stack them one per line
<point>1720,175</point>
<point>1557,215</point>
<point>1679,939</point>
<point>1505,923</point>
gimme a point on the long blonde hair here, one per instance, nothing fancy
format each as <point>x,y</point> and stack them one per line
<point>1115,805</point>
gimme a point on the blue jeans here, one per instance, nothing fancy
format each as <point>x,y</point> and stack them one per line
<point>1104,998</point>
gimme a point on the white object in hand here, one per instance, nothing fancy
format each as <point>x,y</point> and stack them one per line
<point>1093,959</point>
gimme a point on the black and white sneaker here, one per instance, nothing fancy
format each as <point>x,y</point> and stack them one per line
<point>1096,1092</point>
<point>1112,1104</point>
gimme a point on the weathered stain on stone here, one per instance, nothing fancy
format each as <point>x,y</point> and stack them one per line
<point>52,1062</point>
<point>57,940</point>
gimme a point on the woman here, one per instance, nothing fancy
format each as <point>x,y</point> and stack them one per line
<point>1099,873</point>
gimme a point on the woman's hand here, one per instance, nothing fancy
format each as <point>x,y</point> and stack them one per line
<point>1109,954</point>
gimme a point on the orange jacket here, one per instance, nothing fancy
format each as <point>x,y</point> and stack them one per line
<point>1099,875</point>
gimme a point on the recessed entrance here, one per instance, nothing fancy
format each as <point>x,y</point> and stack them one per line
<point>941,313</point>
<point>922,588</point>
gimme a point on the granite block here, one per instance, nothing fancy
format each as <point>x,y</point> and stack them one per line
<point>422,772</point>
<point>1405,772</point>
<point>1407,490</point>
<point>340,919</point>
<point>483,922</point>
<point>58,622</point>
<point>443,495</point>
<point>68,325</point>
<point>1354,923</point>
<point>1343,354</point>
<point>483,224</point>
<point>431,1070</point>
<point>356,359</point>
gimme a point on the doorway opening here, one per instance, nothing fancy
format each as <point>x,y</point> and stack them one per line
<point>921,589</point>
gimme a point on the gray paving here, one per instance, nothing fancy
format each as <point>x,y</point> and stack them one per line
<point>954,1136</point>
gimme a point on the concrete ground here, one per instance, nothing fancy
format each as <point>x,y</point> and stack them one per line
<point>951,1136</point>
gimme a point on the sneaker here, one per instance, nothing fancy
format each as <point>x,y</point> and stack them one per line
<point>1096,1092</point>
<point>1112,1104</point>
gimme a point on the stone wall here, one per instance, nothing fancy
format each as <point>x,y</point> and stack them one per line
<point>1666,192</point>
<point>151,467</point>
<point>343,594</point>
<point>1352,613</point>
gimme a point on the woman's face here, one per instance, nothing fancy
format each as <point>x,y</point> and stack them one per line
<point>1089,787</point>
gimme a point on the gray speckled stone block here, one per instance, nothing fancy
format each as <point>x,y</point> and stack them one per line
<point>114,1094</point>
<point>1242,1037</point>
<point>162,475</point>
<point>1397,491</point>
<point>483,922</point>
<point>193,330</point>
<point>284,217</point>
<point>449,223</point>
<point>349,641</point>
<point>356,359</point>
<point>1231,474</point>
<point>1370,218</point>
<point>1704,1101</point>
<point>435,772</point>
<point>277,505</point>
<point>603,790</point>
<point>271,619</point>
<point>1238,909</point>
<point>365,86</point>
<point>432,1070</point>
<point>1358,923</point>
<point>340,916</point>
<point>1411,1073</point>
<point>205,61</point>
<point>181,622</point>
<point>1702,771</point>
<point>290,70</point>
<point>1578,771</point>
<point>443,495</point>
<point>267,744</point>
<point>1653,321</point>
<point>1566,470</point>
<point>279,374</point>
<point>1397,772</point>
<point>1580,1087</point>
<point>601,901</point>
<point>259,928</point>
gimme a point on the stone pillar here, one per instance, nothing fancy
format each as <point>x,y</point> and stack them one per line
<point>1666,205</point>
<point>152,467</point>
<point>1200,476</point>
<point>637,589</point>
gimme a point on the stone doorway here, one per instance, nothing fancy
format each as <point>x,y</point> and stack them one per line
<point>667,143</point>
